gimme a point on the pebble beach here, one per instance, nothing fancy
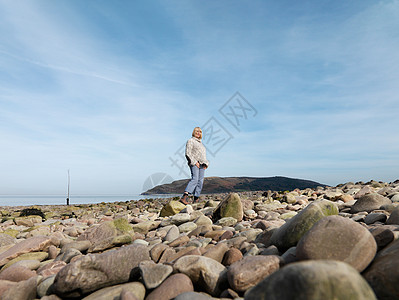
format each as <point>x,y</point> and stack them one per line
<point>337,242</point>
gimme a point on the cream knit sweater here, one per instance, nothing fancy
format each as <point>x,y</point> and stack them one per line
<point>196,152</point>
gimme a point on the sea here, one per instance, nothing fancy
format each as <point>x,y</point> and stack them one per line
<point>28,200</point>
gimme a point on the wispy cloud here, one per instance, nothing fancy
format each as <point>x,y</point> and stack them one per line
<point>111,91</point>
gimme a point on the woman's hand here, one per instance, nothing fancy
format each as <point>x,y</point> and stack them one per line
<point>197,164</point>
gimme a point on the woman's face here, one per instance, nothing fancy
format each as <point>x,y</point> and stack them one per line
<point>197,133</point>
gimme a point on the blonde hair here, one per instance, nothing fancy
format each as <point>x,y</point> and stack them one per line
<point>195,130</point>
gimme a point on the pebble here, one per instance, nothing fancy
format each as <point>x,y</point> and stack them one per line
<point>227,246</point>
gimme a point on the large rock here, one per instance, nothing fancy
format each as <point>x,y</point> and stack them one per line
<point>394,217</point>
<point>369,202</point>
<point>313,280</point>
<point>105,235</point>
<point>23,290</point>
<point>231,206</point>
<point>204,272</point>
<point>250,270</point>
<point>95,271</point>
<point>28,221</point>
<point>292,231</point>
<point>5,285</point>
<point>171,208</point>
<point>27,256</point>
<point>37,243</point>
<point>154,274</point>
<point>44,287</point>
<point>17,273</point>
<point>383,235</point>
<point>6,239</point>
<point>383,273</point>
<point>81,245</point>
<point>338,238</point>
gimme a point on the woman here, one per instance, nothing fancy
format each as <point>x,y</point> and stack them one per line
<point>196,158</point>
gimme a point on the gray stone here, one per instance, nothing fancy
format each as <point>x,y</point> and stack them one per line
<point>369,202</point>
<point>82,246</point>
<point>106,235</point>
<point>313,280</point>
<point>31,264</point>
<point>338,238</point>
<point>157,251</point>
<point>68,255</point>
<point>375,217</point>
<point>204,272</point>
<point>5,239</point>
<point>203,221</point>
<point>231,206</point>
<point>289,256</point>
<point>95,271</point>
<point>51,297</point>
<point>271,250</point>
<point>363,191</point>
<point>268,207</point>
<point>395,198</point>
<point>249,271</point>
<point>146,226</point>
<point>44,287</point>
<point>394,217</point>
<point>173,233</point>
<point>292,231</point>
<point>187,227</point>
<point>235,241</point>
<point>251,234</point>
<point>33,244</point>
<point>154,274</point>
<point>383,273</point>
<point>382,235</point>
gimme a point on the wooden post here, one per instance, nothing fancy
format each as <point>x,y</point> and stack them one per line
<point>69,181</point>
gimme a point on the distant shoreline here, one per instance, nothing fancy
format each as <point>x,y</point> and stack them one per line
<point>29,200</point>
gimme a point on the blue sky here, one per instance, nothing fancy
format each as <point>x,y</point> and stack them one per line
<point>112,89</point>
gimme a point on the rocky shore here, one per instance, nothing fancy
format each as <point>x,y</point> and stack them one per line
<point>324,243</point>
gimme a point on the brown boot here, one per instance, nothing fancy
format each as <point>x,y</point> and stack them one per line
<point>183,199</point>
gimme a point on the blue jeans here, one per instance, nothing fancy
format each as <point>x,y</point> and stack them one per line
<point>194,186</point>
